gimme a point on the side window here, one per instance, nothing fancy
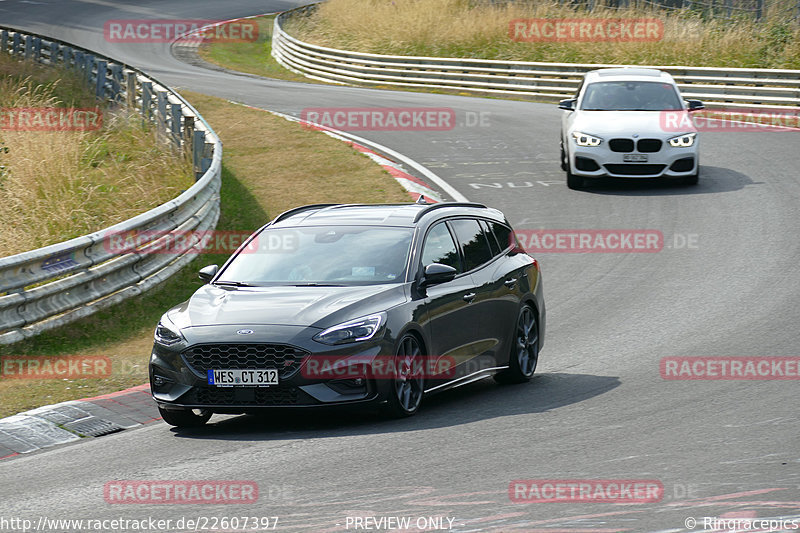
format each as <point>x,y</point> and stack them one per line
<point>504,235</point>
<point>490,237</point>
<point>440,248</point>
<point>473,242</point>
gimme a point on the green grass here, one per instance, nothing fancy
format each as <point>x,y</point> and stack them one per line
<point>251,57</point>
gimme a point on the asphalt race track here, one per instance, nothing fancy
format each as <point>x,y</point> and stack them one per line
<point>724,284</point>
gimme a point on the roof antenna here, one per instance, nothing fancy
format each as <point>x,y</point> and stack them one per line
<point>421,200</point>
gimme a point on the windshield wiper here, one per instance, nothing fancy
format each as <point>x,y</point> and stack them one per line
<point>312,284</point>
<point>233,284</point>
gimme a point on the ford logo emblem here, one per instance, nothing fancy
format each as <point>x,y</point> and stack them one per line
<point>245,332</point>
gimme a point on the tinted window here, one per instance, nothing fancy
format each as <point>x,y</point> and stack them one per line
<point>340,255</point>
<point>473,242</point>
<point>630,96</point>
<point>503,235</point>
<point>440,248</point>
<point>490,237</point>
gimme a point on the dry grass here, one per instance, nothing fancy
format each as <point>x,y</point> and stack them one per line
<point>461,28</point>
<point>57,185</point>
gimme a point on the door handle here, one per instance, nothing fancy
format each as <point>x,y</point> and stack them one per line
<point>510,283</point>
<point>469,297</point>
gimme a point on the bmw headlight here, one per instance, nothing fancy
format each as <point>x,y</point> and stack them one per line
<point>584,139</point>
<point>683,141</point>
<point>360,329</point>
<point>167,333</point>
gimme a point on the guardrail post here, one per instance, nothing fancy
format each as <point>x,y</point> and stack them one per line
<point>161,115</point>
<point>89,62</point>
<point>759,9</point>
<point>3,40</point>
<point>198,146</point>
<point>67,56</point>
<point>100,80</point>
<point>54,52</point>
<point>15,43</point>
<point>116,82</point>
<point>176,112</point>
<point>130,89</point>
<point>37,48</point>
<point>147,95</point>
<point>188,137</point>
<point>28,46</point>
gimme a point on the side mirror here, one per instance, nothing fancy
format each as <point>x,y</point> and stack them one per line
<point>208,273</point>
<point>568,104</point>
<point>695,105</point>
<point>437,273</point>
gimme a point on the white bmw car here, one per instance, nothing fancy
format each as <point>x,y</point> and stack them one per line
<point>628,123</point>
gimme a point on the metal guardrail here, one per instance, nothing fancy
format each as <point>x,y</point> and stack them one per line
<point>45,288</point>
<point>717,87</point>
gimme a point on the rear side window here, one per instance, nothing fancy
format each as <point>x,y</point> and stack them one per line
<point>503,234</point>
<point>490,237</point>
<point>440,248</point>
<point>473,242</point>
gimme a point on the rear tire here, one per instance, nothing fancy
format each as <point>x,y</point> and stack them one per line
<point>524,353</point>
<point>409,381</point>
<point>187,418</point>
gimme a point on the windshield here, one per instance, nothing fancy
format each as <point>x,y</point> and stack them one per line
<point>322,255</point>
<point>630,96</point>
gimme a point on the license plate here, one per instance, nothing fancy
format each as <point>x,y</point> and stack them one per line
<point>243,377</point>
<point>635,158</point>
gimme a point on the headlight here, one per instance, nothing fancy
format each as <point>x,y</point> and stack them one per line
<point>584,139</point>
<point>360,329</point>
<point>167,333</point>
<point>683,141</point>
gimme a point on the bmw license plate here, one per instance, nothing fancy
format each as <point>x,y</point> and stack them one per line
<point>243,377</point>
<point>635,158</point>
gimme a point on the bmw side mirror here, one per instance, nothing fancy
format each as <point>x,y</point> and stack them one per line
<point>208,273</point>
<point>437,273</point>
<point>568,104</point>
<point>695,105</point>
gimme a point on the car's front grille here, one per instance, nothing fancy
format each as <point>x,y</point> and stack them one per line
<point>621,145</point>
<point>204,357</point>
<point>649,145</point>
<point>634,170</point>
<point>256,396</point>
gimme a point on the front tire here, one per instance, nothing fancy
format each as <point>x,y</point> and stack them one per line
<point>408,384</point>
<point>187,418</point>
<point>524,356</point>
<point>574,182</point>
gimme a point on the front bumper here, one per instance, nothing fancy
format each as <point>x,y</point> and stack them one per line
<point>600,161</point>
<point>178,375</point>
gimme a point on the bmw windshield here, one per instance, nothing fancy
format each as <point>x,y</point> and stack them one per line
<point>630,96</point>
<point>321,255</point>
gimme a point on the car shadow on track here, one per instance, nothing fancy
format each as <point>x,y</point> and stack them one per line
<point>712,180</point>
<point>477,401</point>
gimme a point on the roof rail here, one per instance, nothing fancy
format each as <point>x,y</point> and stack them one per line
<point>430,208</point>
<point>294,211</point>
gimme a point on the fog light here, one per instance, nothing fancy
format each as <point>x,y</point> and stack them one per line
<point>349,386</point>
<point>160,381</point>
